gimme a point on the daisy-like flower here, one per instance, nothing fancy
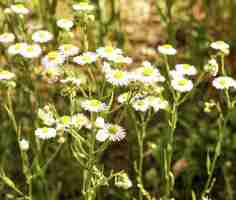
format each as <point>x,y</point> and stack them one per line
<point>86,58</point>
<point>31,51</point>
<point>45,133</point>
<point>157,103</point>
<point>7,38</point>
<point>24,144</point>
<point>176,74</point>
<point>167,49</point>
<point>182,84</point>
<point>42,36</point>
<point>148,74</point>
<point>108,52</point>
<point>117,77</point>
<point>141,105</point>
<point>16,48</point>
<point>120,59</point>
<point>53,59</point>
<point>80,120</point>
<point>224,82</point>
<point>65,24</point>
<point>100,122</point>
<point>83,7</point>
<point>112,132</point>
<point>212,67</point>
<point>68,50</point>
<point>93,105</point>
<point>221,46</point>
<point>106,67</point>
<point>123,98</point>
<point>6,75</point>
<point>63,123</point>
<point>72,80</point>
<point>46,117</point>
<point>186,69</point>
<point>19,9</point>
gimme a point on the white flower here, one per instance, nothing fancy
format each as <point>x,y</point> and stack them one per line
<point>42,36</point>
<point>221,46</point>
<point>68,50</point>
<point>86,58</point>
<point>157,103</point>
<point>53,59</point>
<point>31,51</point>
<point>148,74</point>
<point>141,105</point>
<point>46,117</point>
<point>182,84</point>
<point>106,67</point>
<point>100,122</point>
<point>108,52</point>
<point>72,80</point>
<point>118,77</point>
<point>83,7</point>
<point>212,67</point>
<point>65,24</point>
<point>45,133</point>
<point>93,105</point>
<point>24,144</point>
<point>16,48</point>
<point>79,120</point>
<point>186,69</point>
<point>6,75</point>
<point>7,38</point>
<point>63,123</point>
<point>123,181</point>
<point>123,98</point>
<point>224,82</point>
<point>120,59</point>
<point>176,74</point>
<point>167,49</point>
<point>112,132</point>
<point>19,9</point>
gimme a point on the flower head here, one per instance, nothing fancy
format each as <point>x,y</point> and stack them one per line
<point>112,132</point>
<point>224,82</point>
<point>93,105</point>
<point>31,51</point>
<point>42,36</point>
<point>53,59</point>
<point>7,38</point>
<point>65,24</point>
<point>182,84</point>
<point>212,67</point>
<point>79,121</point>
<point>45,133</point>
<point>19,9</point>
<point>108,52</point>
<point>16,48</point>
<point>141,105</point>
<point>83,7</point>
<point>186,69</point>
<point>118,77</point>
<point>68,50</point>
<point>221,46</point>
<point>86,58</point>
<point>24,144</point>
<point>6,75</point>
<point>47,117</point>
<point>167,49</point>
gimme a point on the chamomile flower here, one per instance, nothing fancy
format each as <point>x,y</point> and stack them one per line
<point>7,38</point>
<point>6,75</point>
<point>68,50</point>
<point>42,36</point>
<point>106,67</point>
<point>108,52</point>
<point>65,24</point>
<point>141,105</point>
<point>80,120</point>
<point>86,58</point>
<point>93,105</point>
<point>148,74</point>
<point>167,49</point>
<point>83,7</point>
<point>224,82</point>
<point>157,103</point>
<point>221,46</point>
<point>186,69</point>
<point>212,67</point>
<point>19,9</point>
<point>53,59</point>
<point>72,80</point>
<point>112,132</point>
<point>118,77</point>
<point>120,59</point>
<point>123,98</point>
<point>47,117</point>
<point>100,122</point>
<point>182,84</point>
<point>31,51</point>
<point>176,74</point>
<point>63,123</point>
<point>45,133</point>
<point>24,144</point>
<point>16,48</point>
